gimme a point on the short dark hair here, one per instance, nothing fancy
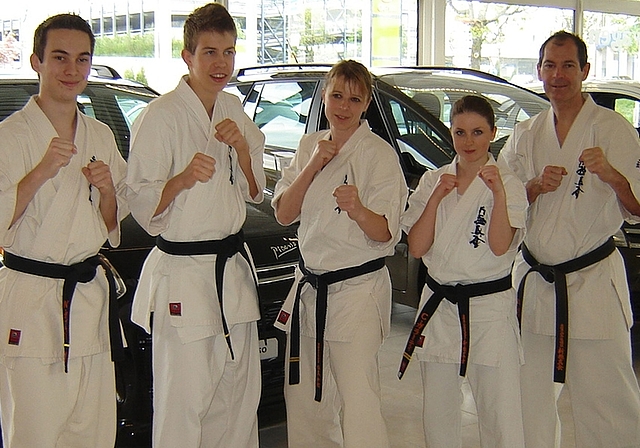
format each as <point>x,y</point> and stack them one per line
<point>475,104</point>
<point>60,22</point>
<point>210,17</point>
<point>353,73</point>
<point>561,37</point>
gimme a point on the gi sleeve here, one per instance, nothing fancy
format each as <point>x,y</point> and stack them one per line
<point>289,173</point>
<point>418,200</point>
<point>386,193</point>
<point>619,141</point>
<point>255,138</point>
<point>513,155</point>
<point>149,169</point>
<point>12,170</point>
<point>118,168</point>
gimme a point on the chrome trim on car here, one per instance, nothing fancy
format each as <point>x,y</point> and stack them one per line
<point>263,273</point>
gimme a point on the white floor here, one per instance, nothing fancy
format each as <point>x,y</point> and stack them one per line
<point>402,400</point>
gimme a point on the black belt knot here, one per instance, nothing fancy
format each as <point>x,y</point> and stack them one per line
<point>547,272</point>
<point>82,272</point>
<point>557,274</point>
<point>312,279</point>
<point>453,293</point>
<point>321,284</point>
<point>224,249</point>
<point>459,295</point>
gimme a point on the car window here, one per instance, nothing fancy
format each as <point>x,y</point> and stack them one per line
<point>280,110</point>
<point>117,106</point>
<point>421,147</point>
<point>14,97</point>
<point>130,107</point>
<point>629,109</point>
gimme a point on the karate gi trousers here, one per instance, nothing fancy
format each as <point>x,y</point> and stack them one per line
<point>349,414</point>
<point>590,383</point>
<point>202,397</point>
<point>496,391</point>
<point>58,409</point>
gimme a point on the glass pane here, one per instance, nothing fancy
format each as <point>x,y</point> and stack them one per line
<point>500,39</point>
<point>382,32</point>
<point>612,45</point>
<point>282,112</point>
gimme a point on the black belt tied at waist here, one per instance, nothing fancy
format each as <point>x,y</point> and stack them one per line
<point>557,274</point>
<point>456,294</point>
<point>321,284</point>
<point>82,272</point>
<point>224,249</point>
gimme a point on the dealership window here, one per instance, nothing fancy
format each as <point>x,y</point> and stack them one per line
<point>613,44</point>
<point>499,38</point>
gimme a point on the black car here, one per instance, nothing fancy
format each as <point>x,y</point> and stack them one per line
<point>117,103</point>
<point>410,110</point>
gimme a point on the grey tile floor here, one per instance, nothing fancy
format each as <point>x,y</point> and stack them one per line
<point>402,400</point>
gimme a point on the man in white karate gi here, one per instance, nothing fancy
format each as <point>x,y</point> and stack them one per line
<point>61,197</point>
<point>195,159</point>
<point>579,162</point>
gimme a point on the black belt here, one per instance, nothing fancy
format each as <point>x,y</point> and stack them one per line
<point>557,274</point>
<point>82,272</point>
<point>321,284</point>
<point>456,294</point>
<point>224,249</point>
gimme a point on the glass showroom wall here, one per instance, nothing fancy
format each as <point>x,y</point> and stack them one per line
<point>499,38</point>
<point>380,32</point>
<point>504,39</point>
<point>613,41</point>
<point>144,37</point>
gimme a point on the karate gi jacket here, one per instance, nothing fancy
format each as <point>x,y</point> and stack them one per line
<point>460,254</point>
<point>166,136</point>
<point>62,224</point>
<point>575,219</point>
<point>329,240</point>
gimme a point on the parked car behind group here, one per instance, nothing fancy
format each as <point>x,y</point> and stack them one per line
<point>410,110</point>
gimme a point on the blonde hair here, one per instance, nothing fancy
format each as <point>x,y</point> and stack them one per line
<point>353,73</point>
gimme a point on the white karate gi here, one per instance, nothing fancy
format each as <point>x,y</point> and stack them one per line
<point>359,309</point>
<point>563,225</point>
<point>201,396</point>
<point>60,225</point>
<point>460,254</point>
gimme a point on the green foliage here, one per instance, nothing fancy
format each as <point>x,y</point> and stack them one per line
<point>140,77</point>
<point>139,45</point>
<point>176,48</point>
<point>625,108</point>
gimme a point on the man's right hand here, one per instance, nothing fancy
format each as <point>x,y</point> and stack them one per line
<point>549,180</point>
<point>57,155</point>
<point>200,169</point>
